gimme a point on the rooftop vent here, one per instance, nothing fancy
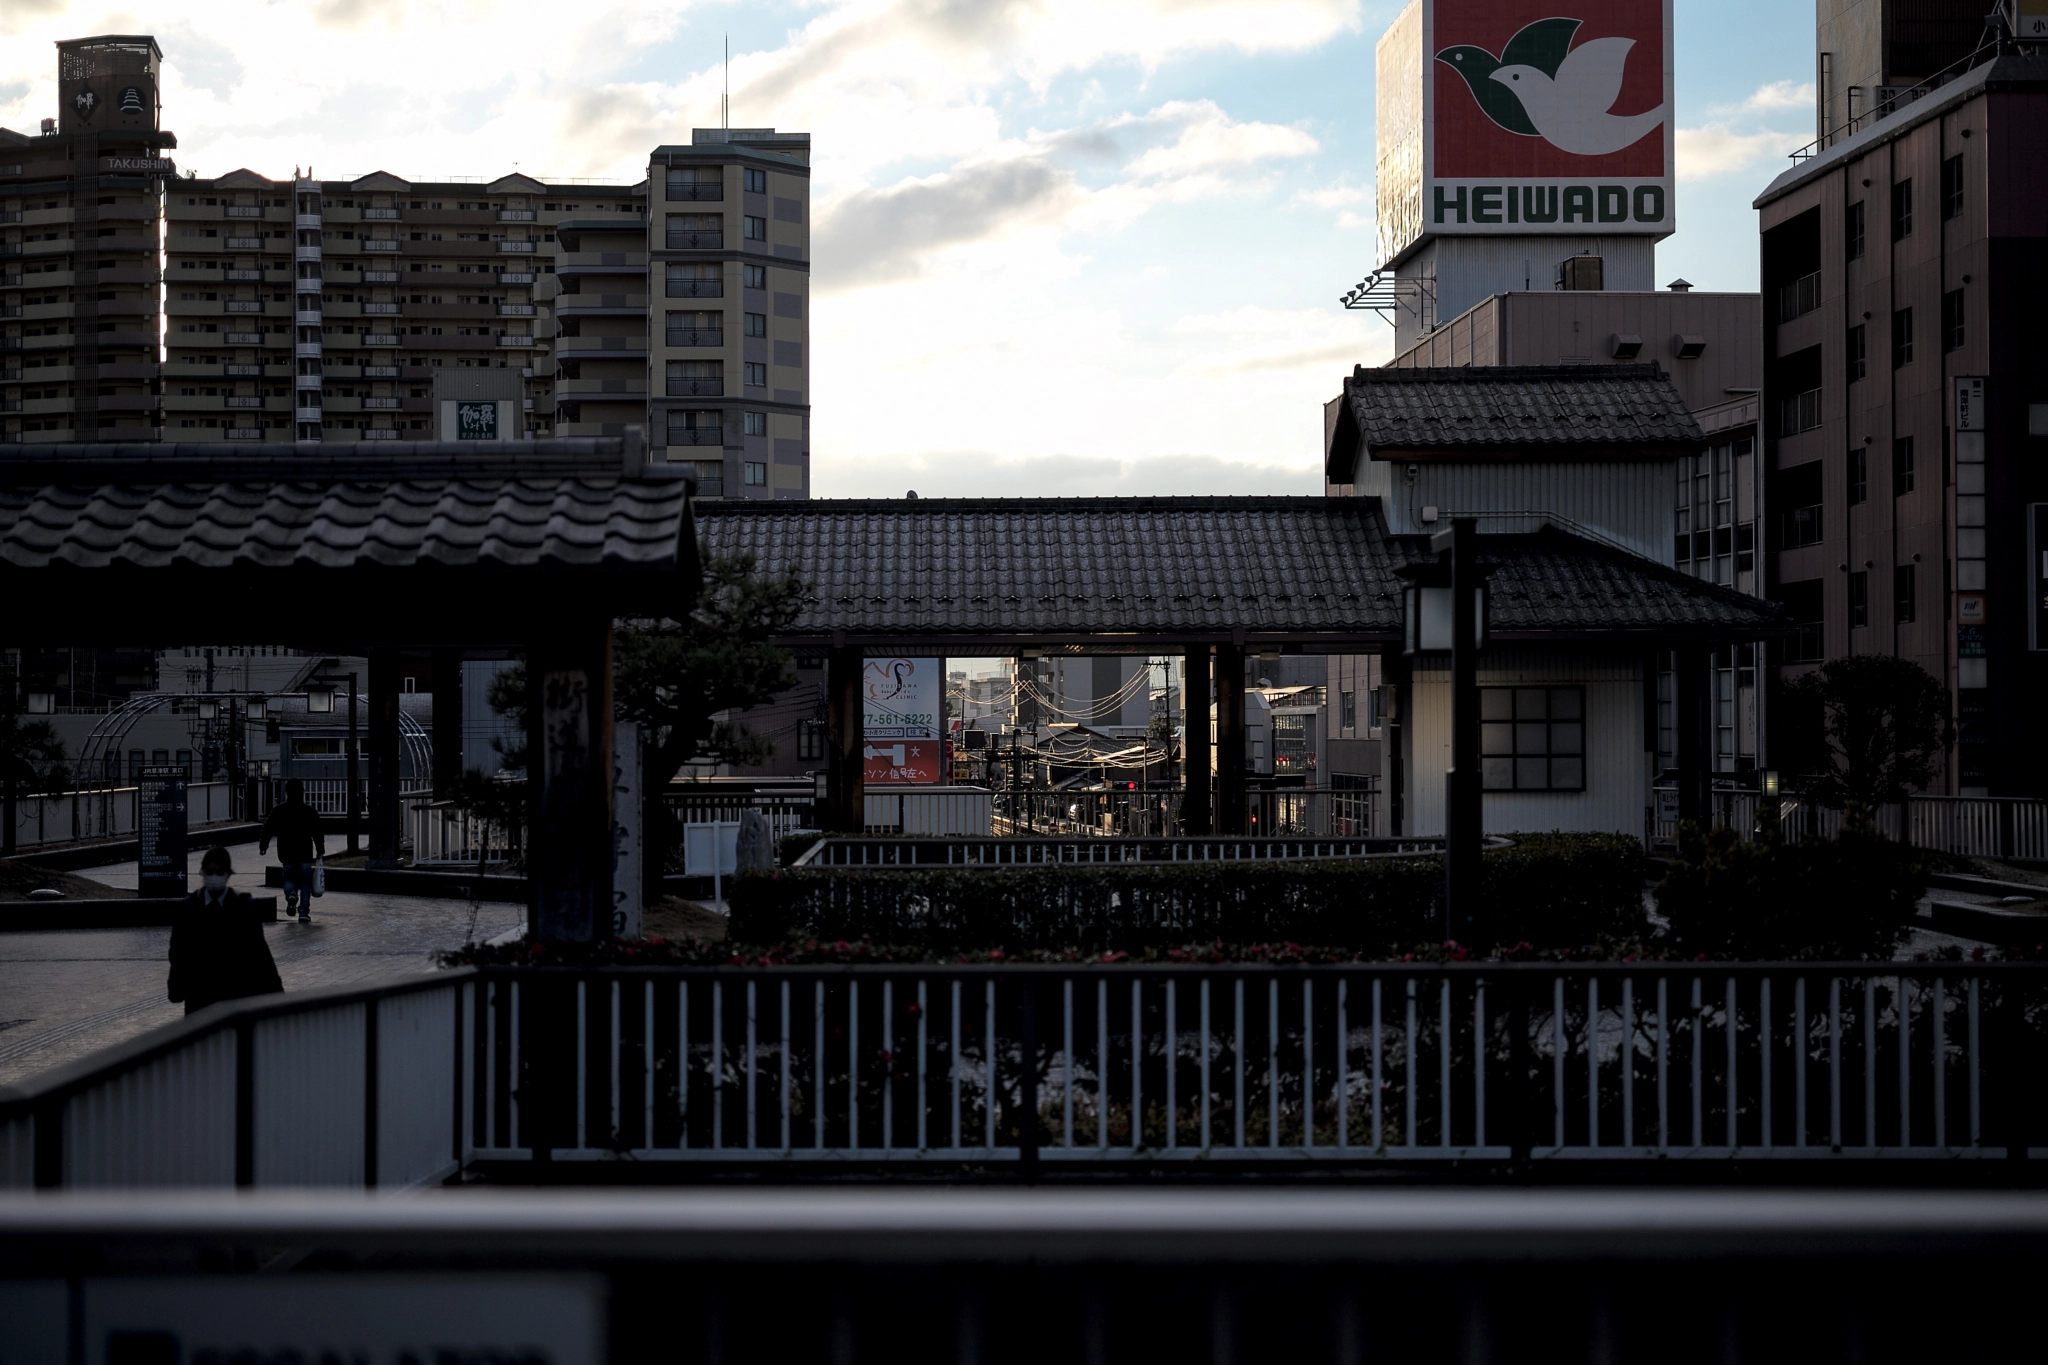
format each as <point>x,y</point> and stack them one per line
<point>1627,345</point>
<point>1681,285</point>
<point>1688,346</point>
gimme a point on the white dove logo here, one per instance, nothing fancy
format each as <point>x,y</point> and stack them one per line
<point>1542,86</point>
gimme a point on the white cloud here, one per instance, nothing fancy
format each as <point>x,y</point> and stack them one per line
<point>1782,95</point>
<point>1704,153</point>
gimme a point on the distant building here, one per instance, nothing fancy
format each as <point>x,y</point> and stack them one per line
<point>80,215</point>
<point>1905,394</point>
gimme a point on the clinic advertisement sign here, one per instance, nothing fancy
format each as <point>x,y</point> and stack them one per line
<point>902,700</point>
<point>1545,117</point>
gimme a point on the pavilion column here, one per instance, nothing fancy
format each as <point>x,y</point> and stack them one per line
<point>1394,680</point>
<point>569,696</point>
<point>1695,733</point>
<point>385,818</point>
<point>1230,748</point>
<point>845,802</point>
<point>1194,705</point>
<point>447,722</point>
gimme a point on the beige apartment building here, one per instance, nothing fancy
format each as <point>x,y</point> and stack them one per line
<point>80,216</point>
<point>326,308</point>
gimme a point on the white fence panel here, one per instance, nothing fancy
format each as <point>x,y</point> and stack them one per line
<point>933,810</point>
<point>309,1098</point>
<point>63,817</point>
<point>170,1121</point>
<point>416,1086</point>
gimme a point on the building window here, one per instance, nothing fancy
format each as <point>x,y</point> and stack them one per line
<point>1902,466</point>
<point>1857,353</point>
<point>696,378</point>
<point>1952,320</point>
<point>695,329</point>
<point>1902,594</point>
<point>810,741</point>
<point>754,276</point>
<point>757,424</point>
<point>694,428</point>
<point>1902,338</point>
<point>1799,412</point>
<point>1902,210</point>
<point>692,182</point>
<point>1347,710</point>
<point>756,474</point>
<point>695,231</point>
<point>1859,599</point>
<point>1852,231</point>
<point>1533,738</point>
<point>757,324</point>
<point>1952,187</point>
<point>756,376</point>
<point>757,181</point>
<point>1859,476</point>
<point>754,229</point>
<point>1802,526</point>
<point>1799,297</point>
<point>694,280</point>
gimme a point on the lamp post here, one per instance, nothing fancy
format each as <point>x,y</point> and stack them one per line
<point>1445,610</point>
<point>321,700</point>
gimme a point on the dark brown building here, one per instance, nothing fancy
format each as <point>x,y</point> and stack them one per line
<point>1905,276</point>
<point>80,217</point>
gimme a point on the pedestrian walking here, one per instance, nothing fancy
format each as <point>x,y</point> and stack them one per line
<point>217,947</point>
<point>296,827</point>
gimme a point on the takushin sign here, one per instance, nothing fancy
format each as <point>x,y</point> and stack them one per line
<point>901,729</point>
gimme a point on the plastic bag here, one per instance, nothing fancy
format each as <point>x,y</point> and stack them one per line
<point>320,877</point>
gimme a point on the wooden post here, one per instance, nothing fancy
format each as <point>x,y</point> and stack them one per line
<point>1695,735</point>
<point>384,758</point>
<point>1394,676</point>
<point>1230,752</point>
<point>447,722</point>
<point>1195,816</point>
<point>844,725</point>
<point>1464,798</point>
<point>569,694</point>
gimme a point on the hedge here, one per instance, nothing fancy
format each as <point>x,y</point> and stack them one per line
<point>1552,890</point>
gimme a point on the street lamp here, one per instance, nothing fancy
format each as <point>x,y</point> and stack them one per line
<point>320,701</point>
<point>209,710</point>
<point>41,703</point>
<point>259,707</point>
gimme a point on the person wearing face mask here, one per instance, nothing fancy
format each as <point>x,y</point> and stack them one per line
<point>217,947</point>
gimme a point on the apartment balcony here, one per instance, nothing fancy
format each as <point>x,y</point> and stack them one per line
<point>241,211</point>
<point>308,381</point>
<point>515,310</point>
<point>379,338</point>
<point>379,276</point>
<point>379,244</point>
<point>696,436</point>
<point>236,273</point>
<point>308,414</point>
<point>306,253</point>
<point>679,336</point>
<point>379,434</point>
<point>515,215</point>
<point>696,388</point>
<point>12,310</point>
<point>514,342</point>
<point>242,306</point>
<point>386,308</point>
<point>601,348</point>
<point>699,193</point>
<point>518,248</point>
<point>390,403</point>
<point>242,433</point>
<point>696,289</point>
<point>242,243</point>
<point>379,371</point>
<point>238,371</point>
<point>242,400</point>
<point>307,222</point>
<point>695,241</point>
<point>243,338</point>
<point>309,317</point>
<point>515,277</point>
<point>384,214</point>
<point>307,350</point>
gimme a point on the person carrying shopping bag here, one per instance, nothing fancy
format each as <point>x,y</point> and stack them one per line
<point>296,827</point>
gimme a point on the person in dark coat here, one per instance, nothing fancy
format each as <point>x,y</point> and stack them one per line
<point>217,947</point>
<point>296,827</point>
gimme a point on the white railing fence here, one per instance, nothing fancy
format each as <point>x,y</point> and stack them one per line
<point>447,834</point>
<point>1978,826</point>
<point>109,813</point>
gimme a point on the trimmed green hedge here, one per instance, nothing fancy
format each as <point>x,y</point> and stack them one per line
<point>1553,890</point>
<point>1846,898</point>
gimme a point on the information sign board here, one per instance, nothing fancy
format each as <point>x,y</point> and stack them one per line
<point>160,832</point>
<point>476,421</point>
<point>902,699</point>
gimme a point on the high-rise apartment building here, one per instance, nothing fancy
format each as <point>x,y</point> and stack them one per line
<point>80,220</point>
<point>1905,388</point>
<point>326,308</point>
<point>728,325</point>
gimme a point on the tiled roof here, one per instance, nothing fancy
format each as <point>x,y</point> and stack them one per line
<point>528,505</point>
<point>1161,569</point>
<point>1540,411</point>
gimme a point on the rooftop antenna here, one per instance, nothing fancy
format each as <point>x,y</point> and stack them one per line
<point>725,100</point>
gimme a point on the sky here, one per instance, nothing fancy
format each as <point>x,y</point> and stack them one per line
<point>1060,247</point>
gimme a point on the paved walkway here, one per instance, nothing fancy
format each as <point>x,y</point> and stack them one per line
<point>66,993</point>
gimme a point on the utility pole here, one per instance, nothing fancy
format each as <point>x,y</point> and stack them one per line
<point>1464,810</point>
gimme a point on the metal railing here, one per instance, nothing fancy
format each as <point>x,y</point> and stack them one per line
<point>446,834</point>
<point>110,812</point>
<point>1973,826</point>
<point>354,1087</point>
<point>787,812</point>
<point>1330,812</point>
<point>844,851</point>
<point>1308,1067</point>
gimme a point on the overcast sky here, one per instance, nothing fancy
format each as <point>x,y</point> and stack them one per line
<point>1070,246</point>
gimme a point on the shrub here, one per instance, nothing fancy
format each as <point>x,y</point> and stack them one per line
<point>1849,898</point>
<point>1549,890</point>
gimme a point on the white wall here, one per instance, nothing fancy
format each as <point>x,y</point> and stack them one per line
<point>1629,502</point>
<point>1617,768</point>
